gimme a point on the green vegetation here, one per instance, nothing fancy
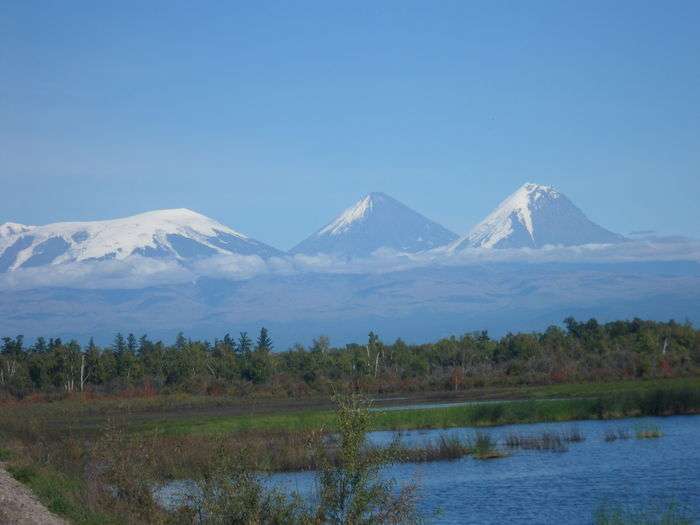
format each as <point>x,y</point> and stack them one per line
<point>632,404</point>
<point>351,488</point>
<point>553,441</point>
<point>485,447</point>
<point>5,454</point>
<point>62,494</point>
<point>110,480</point>
<point>445,448</point>
<point>70,464</point>
<point>648,432</point>
<point>614,435</point>
<point>93,430</point>
<point>131,367</point>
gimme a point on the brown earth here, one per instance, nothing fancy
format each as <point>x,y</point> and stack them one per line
<point>18,506</point>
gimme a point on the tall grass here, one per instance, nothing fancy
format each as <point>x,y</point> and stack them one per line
<point>653,403</point>
<point>648,432</point>
<point>619,515</point>
<point>445,448</point>
<point>485,447</point>
<point>551,441</point>
<point>615,434</point>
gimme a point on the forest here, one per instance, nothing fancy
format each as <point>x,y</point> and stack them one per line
<point>245,366</point>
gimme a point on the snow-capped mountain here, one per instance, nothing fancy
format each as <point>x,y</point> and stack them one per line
<point>535,216</point>
<point>177,233</point>
<point>376,221</point>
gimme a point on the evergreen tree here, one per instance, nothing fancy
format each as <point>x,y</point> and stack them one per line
<point>119,345</point>
<point>40,346</point>
<point>264,342</point>
<point>180,341</point>
<point>131,344</point>
<point>244,344</point>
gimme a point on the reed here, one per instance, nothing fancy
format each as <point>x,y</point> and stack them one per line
<point>615,434</point>
<point>648,432</point>
<point>550,441</point>
<point>485,447</point>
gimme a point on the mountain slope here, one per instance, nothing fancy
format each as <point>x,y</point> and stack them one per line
<point>376,221</point>
<point>177,233</point>
<point>535,216</point>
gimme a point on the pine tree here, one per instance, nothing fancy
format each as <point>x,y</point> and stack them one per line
<point>264,341</point>
<point>244,344</point>
<point>131,343</point>
<point>119,344</point>
<point>180,341</point>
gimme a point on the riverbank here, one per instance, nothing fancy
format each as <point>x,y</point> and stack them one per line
<point>18,506</point>
<point>668,399</point>
<point>56,446</point>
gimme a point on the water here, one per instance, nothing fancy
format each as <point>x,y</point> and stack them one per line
<point>545,487</point>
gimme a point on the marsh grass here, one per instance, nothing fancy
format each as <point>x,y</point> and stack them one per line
<point>573,435</point>
<point>182,415</point>
<point>632,404</point>
<point>619,515</point>
<point>5,454</point>
<point>484,447</point>
<point>550,441</point>
<point>648,432</point>
<point>63,451</point>
<point>445,448</point>
<point>547,440</point>
<point>616,434</point>
<point>61,493</point>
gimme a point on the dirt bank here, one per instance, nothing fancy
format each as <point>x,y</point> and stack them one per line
<point>18,506</point>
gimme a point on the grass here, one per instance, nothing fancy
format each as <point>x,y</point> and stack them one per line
<point>632,404</point>
<point>485,447</point>
<point>547,440</point>
<point>618,515</point>
<point>615,434</point>
<point>60,493</point>
<point>445,448</point>
<point>5,454</point>
<point>92,410</point>
<point>674,397</point>
<point>648,432</point>
<point>180,441</point>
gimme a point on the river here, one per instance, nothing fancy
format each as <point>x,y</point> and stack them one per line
<point>543,486</point>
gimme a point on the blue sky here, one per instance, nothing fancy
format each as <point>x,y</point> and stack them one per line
<point>272,117</point>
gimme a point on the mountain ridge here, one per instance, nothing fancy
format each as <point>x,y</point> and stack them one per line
<point>376,221</point>
<point>178,233</point>
<point>535,216</point>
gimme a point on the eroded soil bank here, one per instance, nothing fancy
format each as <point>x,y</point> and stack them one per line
<point>19,506</point>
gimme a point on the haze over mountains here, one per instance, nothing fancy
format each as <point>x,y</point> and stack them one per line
<point>379,265</point>
<point>533,217</point>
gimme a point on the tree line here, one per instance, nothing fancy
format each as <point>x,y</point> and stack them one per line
<point>239,365</point>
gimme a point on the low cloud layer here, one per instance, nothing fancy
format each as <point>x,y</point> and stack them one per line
<point>140,272</point>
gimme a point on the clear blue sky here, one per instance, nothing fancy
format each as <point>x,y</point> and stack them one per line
<point>272,117</point>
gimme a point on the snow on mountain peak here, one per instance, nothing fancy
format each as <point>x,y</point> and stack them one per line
<point>520,203</point>
<point>354,213</point>
<point>534,216</point>
<point>175,220</point>
<point>178,233</point>
<point>12,228</point>
<point>376,221</point>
